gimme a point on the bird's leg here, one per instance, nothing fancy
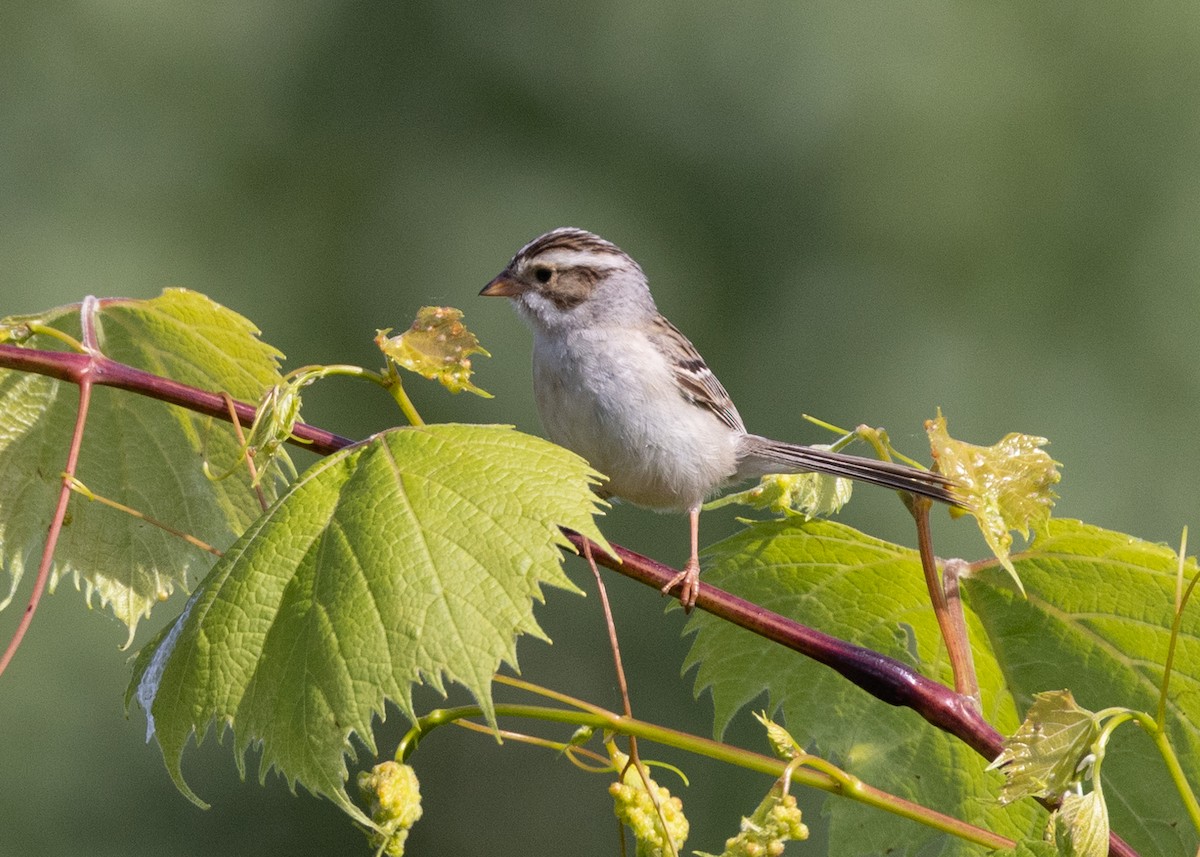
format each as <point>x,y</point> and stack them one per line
<point>688,580</point>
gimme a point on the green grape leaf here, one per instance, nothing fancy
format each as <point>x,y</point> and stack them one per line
<point>437,346</point>
<point>411,558</point>
<point>1097,620</point>
<point>872,593</point>
<point>1043,758</point>
<point>1005,487</point>
<point>810,494</point>
<point>142,453</point>
<point>1080,826</point>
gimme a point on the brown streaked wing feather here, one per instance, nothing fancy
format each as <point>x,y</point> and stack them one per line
<point>697,383</point>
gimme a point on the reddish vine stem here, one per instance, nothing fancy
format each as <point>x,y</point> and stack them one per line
<point>60,513</point>
<point>952,573</point>
<point>954,634</point>
<point>85,380</point>
<point>885,678</point>
<point>611,626</point>
<point>72,367</point>
<point>635,759</point>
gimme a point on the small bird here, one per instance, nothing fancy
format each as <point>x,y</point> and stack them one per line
<point>618,384</point>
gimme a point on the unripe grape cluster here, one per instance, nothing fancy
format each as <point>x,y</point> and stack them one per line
<point>636,809</point>
<point>763,834</point>
<point>394,798</point>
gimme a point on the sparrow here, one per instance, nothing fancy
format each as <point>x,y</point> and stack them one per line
<point>618,384</point>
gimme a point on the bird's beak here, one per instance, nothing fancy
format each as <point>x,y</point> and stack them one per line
<point>502,287</point>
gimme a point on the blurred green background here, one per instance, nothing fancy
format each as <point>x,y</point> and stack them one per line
<point>857,210</point>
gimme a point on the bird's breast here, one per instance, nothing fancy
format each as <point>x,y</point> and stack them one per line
<point>615,402</point>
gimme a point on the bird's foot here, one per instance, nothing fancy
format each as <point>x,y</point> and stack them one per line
<point>688,582</point>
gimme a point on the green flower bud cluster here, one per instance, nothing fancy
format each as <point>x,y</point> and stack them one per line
<point>776,821</point>
<point>636,809</point>
<point>394,799</point>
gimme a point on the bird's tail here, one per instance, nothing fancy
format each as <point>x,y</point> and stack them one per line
<point>760,456</point>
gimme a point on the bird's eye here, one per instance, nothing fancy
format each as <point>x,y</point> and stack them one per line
<point>542,274</point>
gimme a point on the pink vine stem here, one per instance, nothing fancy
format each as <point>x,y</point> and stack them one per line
<point>87,312</point>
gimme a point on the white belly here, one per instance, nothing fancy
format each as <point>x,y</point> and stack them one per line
<point>657,449</point>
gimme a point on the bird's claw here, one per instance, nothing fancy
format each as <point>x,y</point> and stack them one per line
<point>688,582</point>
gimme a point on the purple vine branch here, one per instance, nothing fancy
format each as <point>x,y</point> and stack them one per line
<point>73,367</point>
<point>885,678</point>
